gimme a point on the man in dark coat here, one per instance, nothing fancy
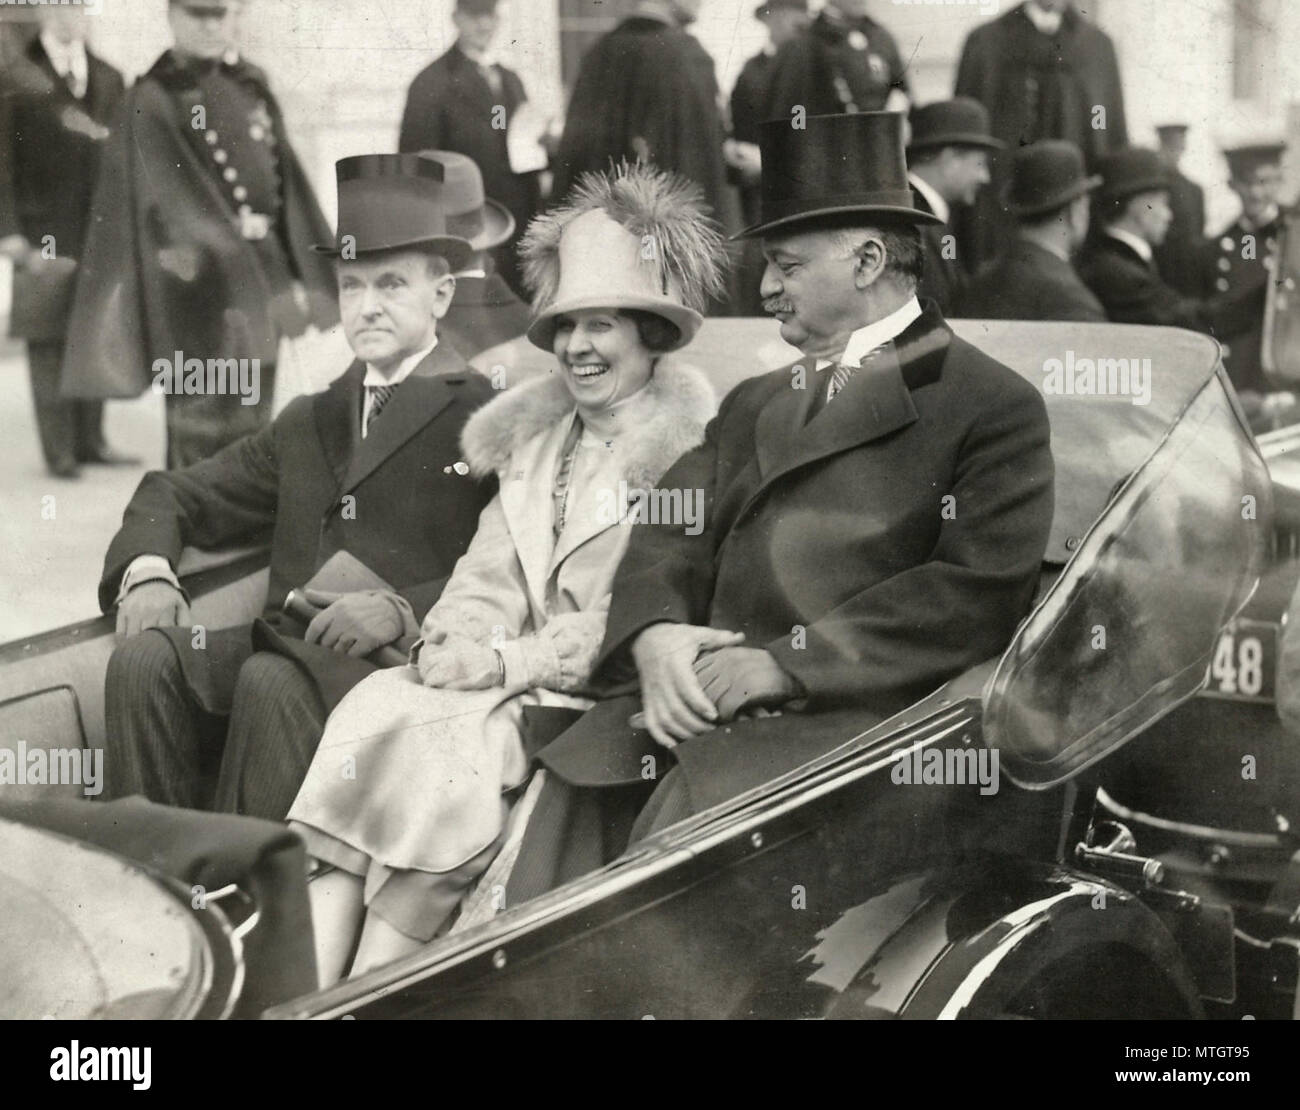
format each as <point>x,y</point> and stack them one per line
<point>876,514</point>
<point>56,132</point>
<point>844,62</point>
<point>1044,72</point>
<point>1180,257</point>
<point>647,91</point>
<point>948,164</point>
<point>1050,196</point>
<point>369,468</point>
<point>1243,256</point>
<point>199,241</point>
<point>465,101</point>
<point>1118,262</point>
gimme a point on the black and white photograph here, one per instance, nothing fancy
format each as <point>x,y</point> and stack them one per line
<point>651,510</point>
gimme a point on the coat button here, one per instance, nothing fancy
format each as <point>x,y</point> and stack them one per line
<point>1221,285</point>
<point>1225,265</point>
<point>1072,543</point>
<point>230,173</point>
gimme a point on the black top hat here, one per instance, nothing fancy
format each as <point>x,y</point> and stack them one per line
<point>834,167</point>
<point>1045,176</point>
<point>959,122</point>
<point>389,201</point>
<point>1130,171</point>
<point>1163,129</point>
<point>1245,160</point>
<point>764,10</point>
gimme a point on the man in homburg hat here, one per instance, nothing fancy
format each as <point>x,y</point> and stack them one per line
<point>199,239</point>
<point>875,513</point>
<point>1179,257</point>
<point>466,101</point>
<point>1118,262</point>
<point>362,482</point>
<point>948,164</point>
<point>1050,195</point>
<point>1243,256</point>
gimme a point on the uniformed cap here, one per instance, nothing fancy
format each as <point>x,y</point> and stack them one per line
<point>764,10</point>
<point>391,201</point>
<point>1246,159</point>
<point>1163,129</point>
<point>1130,171</point>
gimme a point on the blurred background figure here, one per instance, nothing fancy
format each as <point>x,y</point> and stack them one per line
<point>647,91</point>
<point>843,62</point>
<point>1043,71</point>
<point>783,19</point>
<point>467,102</point>
<point>1050,197</point>
<point>1178,258</point>
<point>62,101</point>
<point>200,238</point>
<point>948,165</point>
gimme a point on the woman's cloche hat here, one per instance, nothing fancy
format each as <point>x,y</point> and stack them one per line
<point>632,237</point>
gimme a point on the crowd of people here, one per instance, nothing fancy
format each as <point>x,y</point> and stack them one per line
<point>462,648</point>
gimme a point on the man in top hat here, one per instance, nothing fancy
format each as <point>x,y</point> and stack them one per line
<point>784,19</point>
<point>1118,262</point>
<point>1242,258</point>
<point>1179,257</point>
<point>1044,71</point>
<point>648,92</point>
<point>844,62</point>
<point>1050,196</point>
<point>199,240</point>
<point>53,140</point>
<point>466,101</point>
<point>361,494</point>
<point>876,513</point>
<point>948,164</point>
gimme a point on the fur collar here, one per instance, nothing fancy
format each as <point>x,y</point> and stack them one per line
<point>664,421</point>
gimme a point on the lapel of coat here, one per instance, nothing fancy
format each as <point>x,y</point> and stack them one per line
<point>337,413</point>
<point>526,502</point>
<point>585,521</point>
<point>876,402</point>
<point>421,397</point>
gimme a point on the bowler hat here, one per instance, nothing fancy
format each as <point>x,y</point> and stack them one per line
<point>1130,171</point>
<point>764,10</point>
<point>486,223</point>
<point>1045,176</point>
<point>831,168</point>
<point>477,7</point>
<point>390,201</point>
<point>959,122</point>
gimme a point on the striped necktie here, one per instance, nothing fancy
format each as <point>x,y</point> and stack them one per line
<point>379,395</point>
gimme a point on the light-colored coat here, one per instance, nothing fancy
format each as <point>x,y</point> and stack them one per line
<point>413,776</point>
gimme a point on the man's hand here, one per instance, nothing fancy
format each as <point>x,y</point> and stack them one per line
<point>354,624</point>
<point>736,679</point>
<point>152,604</point>
<point>676,707</point>
<point>459,664</point>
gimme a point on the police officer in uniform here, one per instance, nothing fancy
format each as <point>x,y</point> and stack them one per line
<point>844,62</point>
<point>1245,253</point>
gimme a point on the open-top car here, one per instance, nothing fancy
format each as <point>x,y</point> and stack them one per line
<point>1065,831</point>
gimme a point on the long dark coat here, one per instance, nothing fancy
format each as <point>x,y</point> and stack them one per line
<point>1029,282</point>
<point>160,209</point>
<point>311,486</point>
<point>942,279</point>
<point>645,90</point>
<point>829,546</point>
<point>449,106</point>
<point>1132,292</point>
<point>1037,86</point>
<point>1180,257</point>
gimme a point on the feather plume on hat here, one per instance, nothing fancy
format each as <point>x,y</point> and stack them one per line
<point>660,210</point>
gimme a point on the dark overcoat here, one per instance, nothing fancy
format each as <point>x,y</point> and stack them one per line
<point>942,278</point>
<point>890,544</point>
<point>484,312</point>
<point>164,267</point>
<point>311,486</point>
<point>1029,282</point>
<point>1180,257</point>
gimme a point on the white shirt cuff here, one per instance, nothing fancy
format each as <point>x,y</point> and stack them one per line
<point>147,568</point>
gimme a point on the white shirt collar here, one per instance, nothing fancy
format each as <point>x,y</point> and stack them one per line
<point>932,197</point>
<point>67,58</point>
<point>1140,245</point>
<point>884,330</point>
<point>404,368</point>
<point>1047,22</point>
